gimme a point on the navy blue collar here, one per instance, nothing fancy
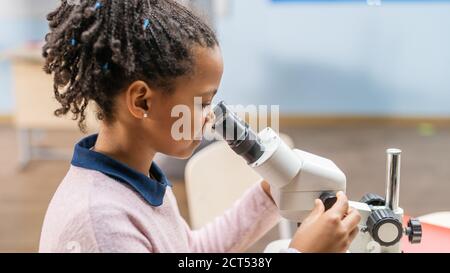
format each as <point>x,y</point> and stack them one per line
<point>151,190</point>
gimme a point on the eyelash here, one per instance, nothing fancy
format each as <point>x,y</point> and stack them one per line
<point>205,105</point>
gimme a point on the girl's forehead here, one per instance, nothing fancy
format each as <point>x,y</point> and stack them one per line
<point>208,69</point>
<point>208,60</point>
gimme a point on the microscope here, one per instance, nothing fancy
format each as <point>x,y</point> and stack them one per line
<point>297,178</point>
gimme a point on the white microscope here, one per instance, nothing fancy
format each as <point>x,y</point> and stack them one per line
<point>297,178</point>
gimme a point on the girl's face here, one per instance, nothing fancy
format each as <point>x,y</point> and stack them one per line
<point>184,112</point>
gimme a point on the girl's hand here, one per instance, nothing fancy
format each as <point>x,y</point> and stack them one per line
<point>330,231</point>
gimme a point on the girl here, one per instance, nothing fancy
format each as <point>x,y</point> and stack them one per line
<point>137,60</point>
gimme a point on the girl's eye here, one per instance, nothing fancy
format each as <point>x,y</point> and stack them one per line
<point>206,105</point>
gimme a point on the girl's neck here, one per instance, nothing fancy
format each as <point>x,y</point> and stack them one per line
<point>122,145</point>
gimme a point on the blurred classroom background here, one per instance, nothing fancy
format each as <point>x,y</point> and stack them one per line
<point>351,79</point>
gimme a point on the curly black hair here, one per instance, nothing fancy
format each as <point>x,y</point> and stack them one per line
<point>96,48</point>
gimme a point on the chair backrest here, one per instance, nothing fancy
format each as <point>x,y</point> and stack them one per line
<point>215,178</point>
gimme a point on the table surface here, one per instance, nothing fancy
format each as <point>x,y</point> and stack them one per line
<point>435,239</point>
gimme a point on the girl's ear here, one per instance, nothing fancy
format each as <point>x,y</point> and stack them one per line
<point>139,98</point>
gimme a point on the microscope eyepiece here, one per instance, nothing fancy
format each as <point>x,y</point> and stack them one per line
<point>241,138</point>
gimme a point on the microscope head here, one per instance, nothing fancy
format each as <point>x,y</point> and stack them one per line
<point>296,177</point>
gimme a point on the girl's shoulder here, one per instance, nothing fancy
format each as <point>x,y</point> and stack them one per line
<point>101,193</point>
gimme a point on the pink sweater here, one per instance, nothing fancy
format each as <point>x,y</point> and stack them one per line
<point>91,212</point>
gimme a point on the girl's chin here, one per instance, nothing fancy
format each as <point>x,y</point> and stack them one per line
<point>195,144</point>
<point>186,153</point>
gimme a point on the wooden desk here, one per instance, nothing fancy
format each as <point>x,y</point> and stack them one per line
<point>35,104</point>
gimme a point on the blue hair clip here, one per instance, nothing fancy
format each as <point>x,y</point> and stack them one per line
<point>98,5</point>
<point>146,23</point>
<point>73,42</point>
<point>105,66</point>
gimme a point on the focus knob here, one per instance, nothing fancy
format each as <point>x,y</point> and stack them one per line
<point>372,199</point>
<point>384,227</point>
<point>328,199</point>
<point>414,231</point>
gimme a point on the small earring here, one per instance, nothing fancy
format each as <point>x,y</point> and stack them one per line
<point>146,115</point>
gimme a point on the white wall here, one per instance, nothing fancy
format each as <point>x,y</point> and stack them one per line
<point>20,21</point>
<point>338,58</point>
